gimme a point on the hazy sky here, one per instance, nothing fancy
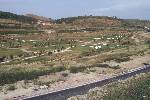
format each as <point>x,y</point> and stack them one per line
<point>65,8</point>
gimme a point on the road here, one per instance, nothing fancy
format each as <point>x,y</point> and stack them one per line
<point>83,89</point>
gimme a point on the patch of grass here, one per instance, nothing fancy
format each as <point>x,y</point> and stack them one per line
<point>8,52</point>
<point>121,57</point>
<point>12,75</point>
<point>81,49</point>
<point>41,59</point>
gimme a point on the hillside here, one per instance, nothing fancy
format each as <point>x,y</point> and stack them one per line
<point>39,17</point>
<point>90,21</point>
<point>66,52</point>
<point>98,21</point>
<point>20,18</point>
<point>11,23</point>
<point>71,24</point>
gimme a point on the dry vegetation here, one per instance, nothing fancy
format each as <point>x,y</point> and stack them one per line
<point>135,88</point>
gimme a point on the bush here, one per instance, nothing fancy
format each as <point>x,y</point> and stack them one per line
<point>76,69</point>
<point>59,68</point>
<point>147,42</point>
<point>123,59</point>
<point>11,87</point>
<point>64,74</point>
<point>102,65</point>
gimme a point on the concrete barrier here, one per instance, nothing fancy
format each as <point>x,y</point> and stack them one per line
<point>80,90</point>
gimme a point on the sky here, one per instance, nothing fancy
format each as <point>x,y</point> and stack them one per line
<point>128,9</point>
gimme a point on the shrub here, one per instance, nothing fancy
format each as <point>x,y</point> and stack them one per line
<point>64,74</point>
<point>102,65</point>
<point>123,59</point>
<point>11,87</point>
<point>93,70</point>
<point>147,42</point>
<point>77,69</point>
<point>59,68</point>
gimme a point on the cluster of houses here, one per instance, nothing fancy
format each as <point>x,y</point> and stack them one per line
<point>44,24</point>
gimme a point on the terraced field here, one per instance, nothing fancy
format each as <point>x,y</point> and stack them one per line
<point>67,51</point>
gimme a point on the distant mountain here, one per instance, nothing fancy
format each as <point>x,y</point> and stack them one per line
<point>39,17</point>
